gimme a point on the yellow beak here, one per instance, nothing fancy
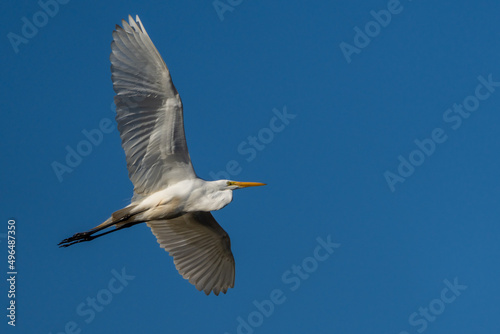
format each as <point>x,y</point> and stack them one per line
<point>247,184</point>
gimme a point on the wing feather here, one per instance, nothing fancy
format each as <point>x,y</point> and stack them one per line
<point>148,112</point>
<point>201,250</point>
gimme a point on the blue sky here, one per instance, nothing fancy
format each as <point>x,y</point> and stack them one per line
<point>374,123</point>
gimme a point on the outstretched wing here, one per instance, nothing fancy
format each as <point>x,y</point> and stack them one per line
<point>201,250</point>
<point>148,112</point>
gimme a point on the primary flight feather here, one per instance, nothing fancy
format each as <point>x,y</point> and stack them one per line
<point>168,195</point>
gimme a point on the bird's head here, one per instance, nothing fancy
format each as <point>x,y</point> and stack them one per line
<point>219,193</point>
<point>232,185</point>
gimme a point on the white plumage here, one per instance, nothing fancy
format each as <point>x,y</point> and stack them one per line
<point>168,195</point>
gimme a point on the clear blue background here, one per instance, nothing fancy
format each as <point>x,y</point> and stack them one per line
<point>325,170</point>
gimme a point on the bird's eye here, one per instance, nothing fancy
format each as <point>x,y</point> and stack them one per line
<point>229,183</point>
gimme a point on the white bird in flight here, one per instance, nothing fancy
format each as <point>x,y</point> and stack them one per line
<point>168,195</point>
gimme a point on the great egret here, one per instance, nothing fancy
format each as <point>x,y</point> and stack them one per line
<point>168,195</point>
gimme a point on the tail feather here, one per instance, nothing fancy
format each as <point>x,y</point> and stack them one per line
<point>118,218</point>
<point>123,214</point>
<point>108,222</point>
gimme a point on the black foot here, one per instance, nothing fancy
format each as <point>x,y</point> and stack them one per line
<point>77,238</point>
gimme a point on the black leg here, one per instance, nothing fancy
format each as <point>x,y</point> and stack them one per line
<point>88,236</point>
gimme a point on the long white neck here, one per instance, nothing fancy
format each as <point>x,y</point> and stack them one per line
<point>212,196</point>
